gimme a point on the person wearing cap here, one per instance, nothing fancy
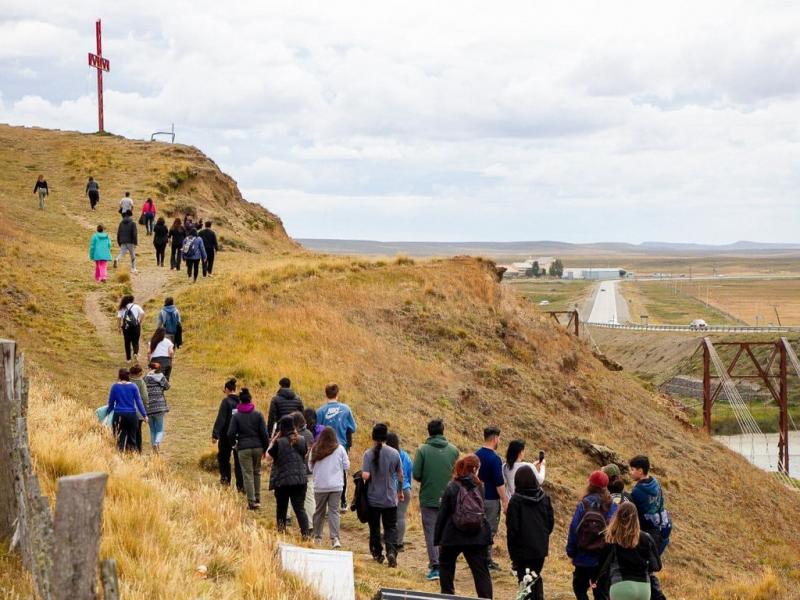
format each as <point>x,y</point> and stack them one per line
<point>616,485</point>
<point>383,470</point>
<point>288,476</point>
<point>247,433</point>
<point>586,575</point>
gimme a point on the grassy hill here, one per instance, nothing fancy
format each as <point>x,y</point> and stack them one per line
<point>406,341</point>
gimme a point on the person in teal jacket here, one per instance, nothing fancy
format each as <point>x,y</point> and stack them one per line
<point>100,253</point>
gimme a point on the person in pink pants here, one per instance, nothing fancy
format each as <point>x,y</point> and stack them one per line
<point>100,253</point>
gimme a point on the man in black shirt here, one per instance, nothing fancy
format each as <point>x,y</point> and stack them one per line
<point>210,242</point>
<point>220,436</point>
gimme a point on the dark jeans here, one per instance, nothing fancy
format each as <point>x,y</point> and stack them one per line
<point>165,362</point>
<point>126,427</point>
<point>535,565</point>
<point>296,494</point>
<point>192,265</point>
<point>582,578</point>
<point>160,252</point>
<point>131,338</point>
<point>655,588</point>
<point>175,257</point>
<point>208,265</point>
<point>148,222</point>
<point>224,451</point>
<point>94,198</point>
<point>344,491</point>
<point>389,518</point>
<point>478,565</point>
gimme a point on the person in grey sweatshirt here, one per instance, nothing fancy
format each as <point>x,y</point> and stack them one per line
<point>328,460</point>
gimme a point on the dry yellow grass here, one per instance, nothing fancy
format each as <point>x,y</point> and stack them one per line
<point>755,302</point>
<point>406,342</point>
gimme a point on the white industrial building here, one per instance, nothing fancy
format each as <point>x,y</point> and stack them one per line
<point>594,273</point>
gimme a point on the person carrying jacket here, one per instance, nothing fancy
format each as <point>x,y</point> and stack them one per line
<point>587,563</point>
<point>126,402</point>
<point>529,523</point>
<point>156,404</point>
<point>288,476</point>
<point>219,435</point>
<point>631,556</point>
<point>285,402</point>
<point>248,434</point>
<point>193,252</point>
<point>453,541</point>
<point>209,238</point>
<point>169,318</point>
<point>127,239</point>
<point>433,468</point>
<point>149,215</point>
<point>100,253</point>
<point>654,519</point>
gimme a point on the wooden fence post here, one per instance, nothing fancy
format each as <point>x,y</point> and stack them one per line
<point>8,490</point>
<point>76,529</point>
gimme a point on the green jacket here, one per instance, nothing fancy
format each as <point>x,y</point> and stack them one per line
<point>433,468</point>
<point>100,247</point>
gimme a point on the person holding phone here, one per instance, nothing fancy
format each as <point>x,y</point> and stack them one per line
<point>515,460</point>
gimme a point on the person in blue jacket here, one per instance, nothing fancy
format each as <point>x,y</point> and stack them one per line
<point>126,402</point>
<point>194,250</point>
<point>393,441</point>
<point>653,517</point>
<point>100,253</point>
<point>339,417</point>
<point>587,563</point>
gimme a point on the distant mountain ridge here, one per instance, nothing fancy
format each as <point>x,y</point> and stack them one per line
<point>544,247</point>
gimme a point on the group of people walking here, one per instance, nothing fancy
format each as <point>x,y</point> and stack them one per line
<point>615,538</point>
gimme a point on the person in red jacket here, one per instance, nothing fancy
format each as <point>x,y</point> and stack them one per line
<point>149,215</point>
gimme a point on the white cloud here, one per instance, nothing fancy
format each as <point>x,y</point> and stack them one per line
<point>583,121</point>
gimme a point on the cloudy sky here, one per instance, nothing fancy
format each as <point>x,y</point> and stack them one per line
<point>586,121</point>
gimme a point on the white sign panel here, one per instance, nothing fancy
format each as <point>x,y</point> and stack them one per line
<point>328,571</point>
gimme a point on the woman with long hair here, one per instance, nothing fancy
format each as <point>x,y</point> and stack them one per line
<point>287,478</point>
<point>585,543</point>
<point>393,441</point>
<point>160,239</point>
<point>631,556</point>
<point>129,323</point>
<point>149,215</point>
<point>382,469</point>
<point>529,523</point>
<point>328,461</point>
<point>464,529</point>
<point>515,459</point>
<point>177,234</point>
<point>41,188</point>
<point>156,404</point>
<point>162,351</point>
<point>126,403</point>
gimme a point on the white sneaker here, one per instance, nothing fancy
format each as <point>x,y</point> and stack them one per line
<point>336,543</point>
<point>134,271</point>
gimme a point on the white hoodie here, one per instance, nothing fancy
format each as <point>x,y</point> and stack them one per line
<point>328,473</point>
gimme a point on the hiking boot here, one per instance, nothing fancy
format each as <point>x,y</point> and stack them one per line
<point>493,566</point>
<point>401,548</point>
<point>392,560</point>
<point>378,558</point>
<point>253,506</point>
<point>115,263</point>
<point>336,543</point>
<point>433,575</point>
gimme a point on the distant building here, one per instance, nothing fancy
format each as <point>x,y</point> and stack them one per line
<point>593,273</point>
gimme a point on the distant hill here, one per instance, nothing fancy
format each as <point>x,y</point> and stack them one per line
<point>511,249</point>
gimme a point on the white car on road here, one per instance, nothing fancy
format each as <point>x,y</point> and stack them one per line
<point>698,325</point>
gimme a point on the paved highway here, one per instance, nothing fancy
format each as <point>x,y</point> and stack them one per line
<point>604,309</point>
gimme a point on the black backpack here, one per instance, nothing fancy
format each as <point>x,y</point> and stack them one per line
<point>591,529</point>
<point>468,514</point>
<point>129,322</point>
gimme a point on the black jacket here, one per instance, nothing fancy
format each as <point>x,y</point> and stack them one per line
<point>248,430</point>
<point>359,504</point>
<point>127,232</point>
<point>177,236</point>
<point>289,463</point>
<point>446,533</point>
<point>209,240</point>
<point>529,523</point>
<point>284,403</point>
<point>160,234</point>
<point>223,422</point>
<point>631,564</point>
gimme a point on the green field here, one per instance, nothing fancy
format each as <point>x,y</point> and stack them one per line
<point>561,295</point>
<point>666,304</point>
<point>723,420</point>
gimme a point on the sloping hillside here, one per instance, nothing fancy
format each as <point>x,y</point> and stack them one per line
<point>405,341</point>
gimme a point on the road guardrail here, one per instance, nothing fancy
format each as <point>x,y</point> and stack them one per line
<point>712,329</point>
